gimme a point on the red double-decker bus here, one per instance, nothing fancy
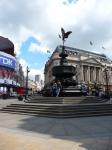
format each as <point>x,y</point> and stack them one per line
<point>21,92</point>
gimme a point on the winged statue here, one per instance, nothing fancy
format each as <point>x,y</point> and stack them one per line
<point>64,34</point>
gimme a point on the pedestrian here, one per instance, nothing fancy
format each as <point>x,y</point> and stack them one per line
<point>54,89</point>
<point>59,87</point>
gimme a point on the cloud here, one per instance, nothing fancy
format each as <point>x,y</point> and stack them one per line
<point>89,20</point>
<point>34,47</point>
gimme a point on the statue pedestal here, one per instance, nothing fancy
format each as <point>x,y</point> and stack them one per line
<point>65,74</point>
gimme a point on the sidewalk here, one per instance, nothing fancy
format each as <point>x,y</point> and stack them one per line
<point>5,102</point>
<point>23,132</point>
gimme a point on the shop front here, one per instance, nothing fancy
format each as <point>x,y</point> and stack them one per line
<point>7,74</point>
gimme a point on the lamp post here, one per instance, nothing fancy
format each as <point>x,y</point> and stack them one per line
<point>27,71</point>
<point>107,83</point>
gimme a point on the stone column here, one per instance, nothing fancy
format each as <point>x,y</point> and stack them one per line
<point>94,74</point>
<point>100,76</point>
<point>81,73</point>
<point>91,74</point>
<point>88,74</point>
<point>84,73</point>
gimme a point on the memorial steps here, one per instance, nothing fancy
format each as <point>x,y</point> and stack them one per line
<point>65,100</point>
<point>61,107</point>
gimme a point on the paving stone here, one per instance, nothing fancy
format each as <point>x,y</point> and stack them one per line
<point>23,132</point>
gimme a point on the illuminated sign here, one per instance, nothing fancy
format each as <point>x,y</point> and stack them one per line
<point>7,61</point>
<point>8,82</point>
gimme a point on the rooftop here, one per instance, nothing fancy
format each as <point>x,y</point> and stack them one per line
<point>81,51</point>
<point>6,46</point>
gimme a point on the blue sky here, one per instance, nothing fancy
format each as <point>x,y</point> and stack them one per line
<point>34,26</point>
<point>71,1</point>
<point>37,60</point>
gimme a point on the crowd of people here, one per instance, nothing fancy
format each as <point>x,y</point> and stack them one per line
<point>56,89</point>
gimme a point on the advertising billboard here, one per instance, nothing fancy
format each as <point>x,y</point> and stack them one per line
<point>7,60</point>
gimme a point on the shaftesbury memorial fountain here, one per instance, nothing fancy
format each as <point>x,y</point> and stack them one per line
<point>65,72</point>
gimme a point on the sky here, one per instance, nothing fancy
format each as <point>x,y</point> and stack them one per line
<point>34,26</point>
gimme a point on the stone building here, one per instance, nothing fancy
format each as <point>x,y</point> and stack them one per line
<point>37,78</point>
<point>7,66</point>
<point>91,68</point>
<point>20,79</point>
<point>32,85</point>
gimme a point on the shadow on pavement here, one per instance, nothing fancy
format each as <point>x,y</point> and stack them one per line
<point>92,133</point>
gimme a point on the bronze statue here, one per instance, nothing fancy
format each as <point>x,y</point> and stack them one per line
<point>64,35</point>
<point>63,55</point>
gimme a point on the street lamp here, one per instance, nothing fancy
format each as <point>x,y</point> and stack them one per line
<point>107,83</point>
<point>27,71</point>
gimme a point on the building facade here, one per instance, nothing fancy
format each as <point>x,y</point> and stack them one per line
<point>7,70</point>
<point>7,66</point>
<point>20,79</point>
<point>37,78</point>
<point>9,73</point>
<point>91,68</point>
<point>39,82</point>
<point>32,85</point>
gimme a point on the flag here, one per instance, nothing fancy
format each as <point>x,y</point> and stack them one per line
<point>9,74</point>
<point>103,47</point>
<point>6,73</point>
<point>91,43</point>
<point>0,72</point>
<point>3,73</point>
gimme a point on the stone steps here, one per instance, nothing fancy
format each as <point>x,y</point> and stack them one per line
<point>65,100</point>
<point>60,111</point>
<point>61,107</point>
